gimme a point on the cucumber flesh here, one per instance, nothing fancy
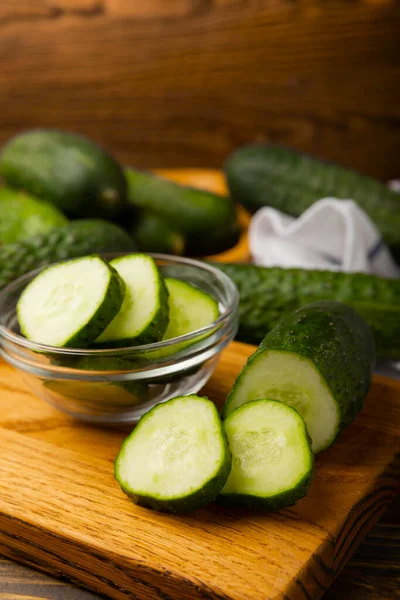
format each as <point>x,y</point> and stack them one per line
<point>69,304</point>
<point>319,359</point>
<point>189,308</point>
<point>177,458</point>
<point>143,317</point>
<point>294,380</point>
<point>272,462</point>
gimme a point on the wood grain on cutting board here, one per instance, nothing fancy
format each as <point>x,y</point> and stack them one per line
<point>62,511</point>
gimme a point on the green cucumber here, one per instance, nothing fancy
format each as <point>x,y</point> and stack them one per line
<point>190,308</point>
<point>319,360</point>
<point>101,394</point>
<point>153,234</point>
<point>107,392</point>
<point>78,238</point>
<point>69,304</point>
<point>67,170</point>
<point>267,175</point>
<point>207,221</point>
<point>177,458</point>
<point>266,294</point>
<point>23,216</point>
<point>143,317</point>
<point>272,461</point>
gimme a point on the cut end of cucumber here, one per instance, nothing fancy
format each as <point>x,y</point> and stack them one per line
<point>190,308</point>
<point>177,458</point>
<point>143,317</point>
<point>295,381</point>
<point>272,462</point>
<point>69,301</point>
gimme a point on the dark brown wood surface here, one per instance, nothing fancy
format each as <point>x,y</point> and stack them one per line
<point>372,574</point>
<point>182,82</point>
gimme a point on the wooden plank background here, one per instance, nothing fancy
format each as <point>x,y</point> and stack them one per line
<point>182,82</point>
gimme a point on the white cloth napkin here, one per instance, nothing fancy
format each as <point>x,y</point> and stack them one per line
<point>332,234</point>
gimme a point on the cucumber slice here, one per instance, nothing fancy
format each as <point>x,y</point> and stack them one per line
<point>143,317</point>
<point>319,360</point>
<point>121,392</point>
<point>177,458</point>
<point>272,461</point>
<point>69,304</point>
<point>102,394</point>
<point>189,308</point>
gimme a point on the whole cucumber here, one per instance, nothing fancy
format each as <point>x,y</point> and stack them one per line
<point>23,215</point>
<point>66,169</point>
<point>78,238</point>
<point>153,234</point>
<point>266,294</point>
<point>268,175</point>
<point>207,221</point>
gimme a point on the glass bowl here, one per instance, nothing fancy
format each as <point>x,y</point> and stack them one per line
<point>111,386</point>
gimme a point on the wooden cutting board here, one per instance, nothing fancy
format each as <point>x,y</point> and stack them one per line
<point>61,510</point>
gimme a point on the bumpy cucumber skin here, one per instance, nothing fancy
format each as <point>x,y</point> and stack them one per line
<point>207,221</point>
<point>198,499</point>
<point>105,313</point>
<point>23,215</point>
<point>267,294</point>
<point>279,501</point>
<point>338,342</point>
<point>78,238</point>
<point>66,169</point>
<point>267,175</point>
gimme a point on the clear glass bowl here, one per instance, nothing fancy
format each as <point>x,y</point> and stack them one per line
<point>119,385</point>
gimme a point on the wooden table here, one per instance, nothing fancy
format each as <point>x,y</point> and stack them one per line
<point>372,574</point>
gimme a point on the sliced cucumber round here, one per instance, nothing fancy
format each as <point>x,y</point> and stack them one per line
<point>189,308</point>
<point>69,304</point>
<point>177,458</point>
<point>272,461</point>
<point>129,392</point>
<point>101,394</point>
<point>319,360</point>
<point>143,317</point>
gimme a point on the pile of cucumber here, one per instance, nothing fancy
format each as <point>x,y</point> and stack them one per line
<point>64,197</point>
<point>303,385</point>
<point>52,176</point>
<point>90,303</point>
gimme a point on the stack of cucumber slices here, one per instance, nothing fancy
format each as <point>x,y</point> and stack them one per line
<point>304,384</point>
<point>91,303</point>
